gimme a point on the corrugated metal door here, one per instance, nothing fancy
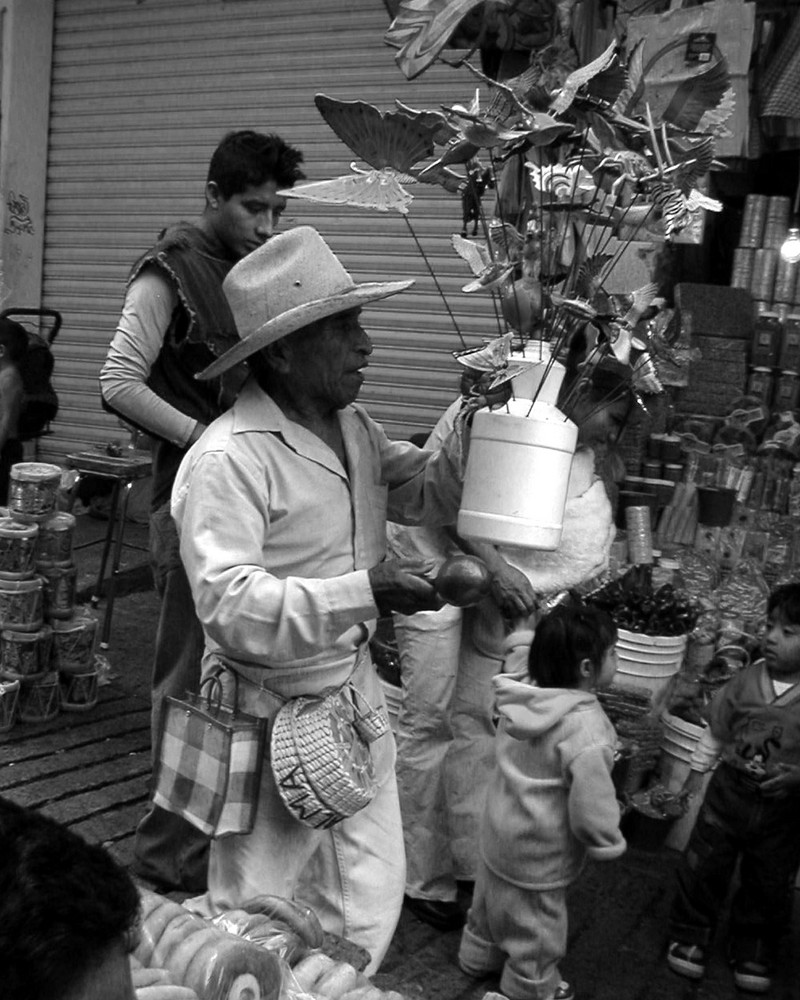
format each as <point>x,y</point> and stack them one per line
<point>141,94</point>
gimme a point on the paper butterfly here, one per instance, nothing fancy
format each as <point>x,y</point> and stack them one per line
<point>491,359</point>
<point>391,143</point>
<point>491,267</point>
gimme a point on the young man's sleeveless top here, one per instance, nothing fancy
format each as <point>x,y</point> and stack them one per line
<point>201,329</point>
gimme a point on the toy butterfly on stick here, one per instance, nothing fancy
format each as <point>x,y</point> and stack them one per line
<point>391,143</point>
<point>492,361</point>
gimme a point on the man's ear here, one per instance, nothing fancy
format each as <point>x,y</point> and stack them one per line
<point>279,355</point>
<point>213,195</point>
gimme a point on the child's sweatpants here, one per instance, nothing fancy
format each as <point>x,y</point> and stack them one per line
<point>521,931</point>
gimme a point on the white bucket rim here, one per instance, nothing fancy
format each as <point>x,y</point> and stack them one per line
<point>636,639</point>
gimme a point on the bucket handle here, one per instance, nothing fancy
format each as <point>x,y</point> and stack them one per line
<point>734,648</point>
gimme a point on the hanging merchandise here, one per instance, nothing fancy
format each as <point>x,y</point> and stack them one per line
<point>688,46</point>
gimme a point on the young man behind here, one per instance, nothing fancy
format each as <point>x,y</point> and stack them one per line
<point>175,320</point>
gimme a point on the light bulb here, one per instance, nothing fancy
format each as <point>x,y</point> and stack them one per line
<point>790,250</point>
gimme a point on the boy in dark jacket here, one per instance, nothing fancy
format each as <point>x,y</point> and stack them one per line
<point>751,811</point>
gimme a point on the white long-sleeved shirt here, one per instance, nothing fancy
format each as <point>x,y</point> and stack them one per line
<point>277,537</point>
<point>150,302</point>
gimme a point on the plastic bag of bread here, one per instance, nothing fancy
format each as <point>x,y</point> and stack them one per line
<point>284,926</point>
<point>320,977</point>
<point>215,964</point>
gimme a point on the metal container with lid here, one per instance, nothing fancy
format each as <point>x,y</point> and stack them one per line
<point>762,280</point>
<point>787,391</point>
<point>785,281</point>
<point>759,384</point>
<point>742,270</point>
<point>766,345</point>
<point>753,220</point>
<point>790,343</point>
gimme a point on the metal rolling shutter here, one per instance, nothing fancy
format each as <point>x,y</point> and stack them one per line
<point>141,94</point>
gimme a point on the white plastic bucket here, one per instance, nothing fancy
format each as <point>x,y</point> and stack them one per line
<point>536,358</point>
<point>649,662</point>
<point>678,741</point>
<point>515,485</point>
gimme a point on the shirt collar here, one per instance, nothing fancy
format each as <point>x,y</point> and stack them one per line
<point>256,411</point>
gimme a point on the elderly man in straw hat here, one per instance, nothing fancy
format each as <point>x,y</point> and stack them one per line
<point>281,508</point>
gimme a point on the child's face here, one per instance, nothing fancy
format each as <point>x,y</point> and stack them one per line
<point>782,646</point>
<point>608,667</point>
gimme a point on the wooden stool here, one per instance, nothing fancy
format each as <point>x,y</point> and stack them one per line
<point>123,472</point>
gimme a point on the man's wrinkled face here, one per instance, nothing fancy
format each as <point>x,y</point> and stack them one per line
<point>327,360</point>
<point>245,221</point>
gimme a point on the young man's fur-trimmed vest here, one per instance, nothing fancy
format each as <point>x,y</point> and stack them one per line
<point>201,329</point>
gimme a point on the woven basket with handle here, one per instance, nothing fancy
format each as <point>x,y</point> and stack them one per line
<point>321,757</point>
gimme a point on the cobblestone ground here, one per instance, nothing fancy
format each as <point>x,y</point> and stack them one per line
<point>617,911</point>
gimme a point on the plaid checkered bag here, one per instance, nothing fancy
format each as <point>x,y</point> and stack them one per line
<point>208,761</point>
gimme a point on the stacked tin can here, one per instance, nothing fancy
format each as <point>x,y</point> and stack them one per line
<point>73,628</point>
<point>774,284</point>
<point>25,638</point>
<point>757,264</point>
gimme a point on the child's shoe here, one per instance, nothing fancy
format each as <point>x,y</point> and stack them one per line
<point>753,977</point>
<point>686,959</point>
<point>564,991</point>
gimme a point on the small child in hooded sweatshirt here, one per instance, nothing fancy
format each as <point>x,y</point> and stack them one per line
<point>550,804</point>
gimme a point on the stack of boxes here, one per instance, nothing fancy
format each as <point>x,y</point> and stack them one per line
<point>717,321</point>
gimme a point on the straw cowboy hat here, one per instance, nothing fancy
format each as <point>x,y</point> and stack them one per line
<point>292,280</point>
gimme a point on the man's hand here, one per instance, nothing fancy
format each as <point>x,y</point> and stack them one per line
<point>511,591</point>
<point>403,585</point>
<point>784,779</point>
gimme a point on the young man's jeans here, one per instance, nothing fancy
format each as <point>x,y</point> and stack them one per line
<point>168,850</point>
<point>428,643</point>
<point>737,823</point>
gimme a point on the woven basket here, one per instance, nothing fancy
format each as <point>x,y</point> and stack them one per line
<point>321,758</point>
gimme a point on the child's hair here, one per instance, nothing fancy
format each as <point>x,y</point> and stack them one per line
<point>786,600</point>
<point>566,636</point>
<point>14,338</point>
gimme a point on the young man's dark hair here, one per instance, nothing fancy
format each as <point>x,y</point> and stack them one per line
<point>248,158</point>
<point>66,908</point>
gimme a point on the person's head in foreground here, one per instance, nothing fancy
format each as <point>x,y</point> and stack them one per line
<point>782,637</point>
<point>574,646</point>
<point>298,313</point>
<point>68,913</point>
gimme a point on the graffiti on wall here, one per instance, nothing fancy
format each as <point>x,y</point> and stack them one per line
<point>19,215</point>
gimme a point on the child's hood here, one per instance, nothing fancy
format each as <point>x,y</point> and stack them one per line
<point>531,711</point>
